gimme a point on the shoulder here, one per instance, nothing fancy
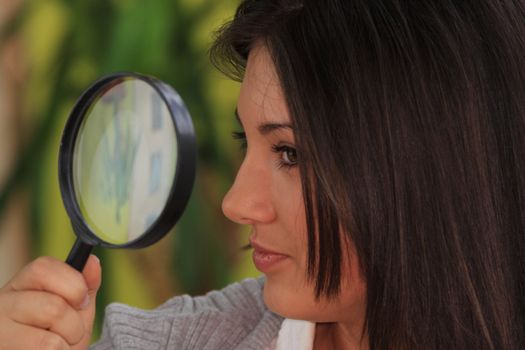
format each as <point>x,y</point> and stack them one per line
<point>224,319</point>
<point>240,297</point>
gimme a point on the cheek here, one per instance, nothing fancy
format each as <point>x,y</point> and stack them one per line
<point>289,205</point>
<point>289,293</point>
<point>294,297</point>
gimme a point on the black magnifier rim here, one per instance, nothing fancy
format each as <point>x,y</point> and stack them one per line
<point>181,187</point>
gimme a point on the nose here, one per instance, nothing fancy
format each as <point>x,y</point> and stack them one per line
<point>249,200</point>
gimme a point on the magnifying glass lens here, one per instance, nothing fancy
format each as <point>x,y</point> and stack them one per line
<point>124,160</point>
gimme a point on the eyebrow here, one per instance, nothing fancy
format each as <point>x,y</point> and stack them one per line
<point>267,128</point>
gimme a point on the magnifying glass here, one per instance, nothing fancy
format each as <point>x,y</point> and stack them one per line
<point>126,164</point>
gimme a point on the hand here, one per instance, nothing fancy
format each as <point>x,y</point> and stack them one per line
<point>49,305</point>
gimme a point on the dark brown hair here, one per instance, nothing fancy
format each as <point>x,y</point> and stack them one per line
<point>409,120</point>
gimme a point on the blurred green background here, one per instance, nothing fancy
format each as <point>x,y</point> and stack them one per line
<point>50,51</point>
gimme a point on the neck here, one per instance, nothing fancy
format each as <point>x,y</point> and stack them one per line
<point>339,336</point>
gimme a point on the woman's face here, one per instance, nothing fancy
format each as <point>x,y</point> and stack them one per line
<point>267,195</point>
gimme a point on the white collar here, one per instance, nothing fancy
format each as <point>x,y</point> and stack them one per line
<point>296,335</point>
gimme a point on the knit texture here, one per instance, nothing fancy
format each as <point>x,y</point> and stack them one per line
<point>232,318</point>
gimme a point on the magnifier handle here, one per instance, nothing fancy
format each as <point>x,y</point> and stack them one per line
<point>78,255</point>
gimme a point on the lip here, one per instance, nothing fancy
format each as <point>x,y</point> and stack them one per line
<point>264,259</point>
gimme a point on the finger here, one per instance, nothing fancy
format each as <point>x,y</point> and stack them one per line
<point>92,274</point>
<point>48,312</point>
<point>53,276</point>
<point>16,336</point>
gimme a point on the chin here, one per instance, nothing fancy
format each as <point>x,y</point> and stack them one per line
<point>286,302</point>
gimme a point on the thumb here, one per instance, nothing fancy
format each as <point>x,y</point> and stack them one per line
<point>93,275</point>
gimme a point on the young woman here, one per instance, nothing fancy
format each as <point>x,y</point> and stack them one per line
<point>383,180</point>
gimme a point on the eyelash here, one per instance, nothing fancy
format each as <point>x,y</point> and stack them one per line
<point>281,149</point>
<point>278,149</point>
<point>241,136</point>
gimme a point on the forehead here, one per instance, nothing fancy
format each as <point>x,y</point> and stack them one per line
<point>261,95</point>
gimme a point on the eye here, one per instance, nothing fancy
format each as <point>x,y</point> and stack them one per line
<point>241,136</point>
<point>288,155</point>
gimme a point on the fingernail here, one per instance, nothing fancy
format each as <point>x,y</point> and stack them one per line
<point>96,258</point>
<point>85,302</point>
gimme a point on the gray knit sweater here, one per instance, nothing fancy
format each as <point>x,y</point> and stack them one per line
<point>233,318</point>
